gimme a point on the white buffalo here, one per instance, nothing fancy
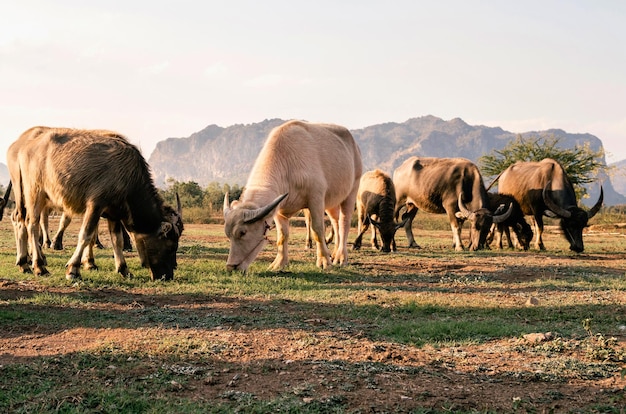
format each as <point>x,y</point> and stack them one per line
<point>301,165</point>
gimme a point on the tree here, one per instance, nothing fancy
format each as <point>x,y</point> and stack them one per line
<point>190,193</point>
<point>580,163</point>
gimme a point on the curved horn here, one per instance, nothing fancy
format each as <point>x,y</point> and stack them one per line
<point>501,218</point>
<point>259,213</point>
<point>594,210</point>
<point>464,211</point>
<point>552,206</point>
<point>226,207</point>
<point>374,222</point>
<point>179,208</point>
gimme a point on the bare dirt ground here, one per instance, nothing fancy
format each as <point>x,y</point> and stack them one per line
<point>320,361</point>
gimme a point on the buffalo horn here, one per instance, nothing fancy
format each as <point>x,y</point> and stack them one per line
<point>464,211</point>
<point>403,222</point>
<point>501,218</point>
<point>597,206</point>
<point>179,208</point>
<point>259,213</point>
<point>552,206</point>
<point>226,205</point>
<point>374,222</point>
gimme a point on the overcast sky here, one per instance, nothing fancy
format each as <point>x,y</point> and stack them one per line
<point>158,69</point>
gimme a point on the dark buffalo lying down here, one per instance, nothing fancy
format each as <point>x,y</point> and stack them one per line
<point>97,174</point>
<point>543,188</point>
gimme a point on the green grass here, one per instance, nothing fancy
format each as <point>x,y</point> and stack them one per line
<point>431,297</point>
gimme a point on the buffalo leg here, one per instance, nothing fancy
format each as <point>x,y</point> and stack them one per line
<point>282,237</point>
<point>33,226</point>
<point>44,237</point>
<point>333,216</point>
<point>308,242</point>
<point>456,225</point>
<point>362,227</point>
<point>21,242</point>
<point>374,240</point>
<point>316,210</point>
<point>340,257</point>
<point>64,221</point>
<point>409,215</point>
<point>538,223</point>
<point>85,238</point>
<point>88,260</point>
<point>117,239</point>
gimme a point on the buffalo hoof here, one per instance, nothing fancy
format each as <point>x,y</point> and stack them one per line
<point>72,272</point>
<point>73,277</point>
<point>25,269</point>
<point>123,270</point>
<point>41,271</point>
<point>90,266</point>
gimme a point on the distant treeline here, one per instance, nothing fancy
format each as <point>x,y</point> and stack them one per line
<point>204,205</point>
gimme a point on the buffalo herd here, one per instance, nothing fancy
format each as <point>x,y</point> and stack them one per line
<point>302,166</point>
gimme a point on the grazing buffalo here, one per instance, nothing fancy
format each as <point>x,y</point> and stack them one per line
<point>515,221</point>
<point>377,198</point>
<point>543,188</point>
<point>94,173</point>
<point>301,165</point>
<point>453,186</point>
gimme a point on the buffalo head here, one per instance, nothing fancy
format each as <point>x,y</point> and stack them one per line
<point>387,232</point>
<point>246,228</point>
<point>573,218</point>
<point>157,250</point>
<point>480,222</point>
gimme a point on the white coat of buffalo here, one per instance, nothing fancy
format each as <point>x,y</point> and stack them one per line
<point>543,188</point>
<point>453,186</point>
<point>301,165</point>
<point>375,205</point>
<point>92,173</point>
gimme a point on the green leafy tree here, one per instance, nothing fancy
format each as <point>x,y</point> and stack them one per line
<point>580,163</point>
<point>190,193</point>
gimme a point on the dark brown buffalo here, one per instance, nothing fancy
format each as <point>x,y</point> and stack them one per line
<point>543,188</point>
<point>377,198</point>
<point>516,221</point>
<point>453,186</point>
<point>93,173</point>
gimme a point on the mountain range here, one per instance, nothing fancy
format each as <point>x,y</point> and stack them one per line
<point>226,154</point>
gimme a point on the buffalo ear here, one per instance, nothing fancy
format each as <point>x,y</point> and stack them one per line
<point>166,227</point>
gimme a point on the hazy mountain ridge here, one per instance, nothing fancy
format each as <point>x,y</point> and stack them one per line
<point>618,176</point>
<point>226,155</point>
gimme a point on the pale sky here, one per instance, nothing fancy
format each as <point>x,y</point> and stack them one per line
<point>158,69</point>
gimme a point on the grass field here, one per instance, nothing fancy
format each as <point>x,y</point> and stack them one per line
<point>425,331</point>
